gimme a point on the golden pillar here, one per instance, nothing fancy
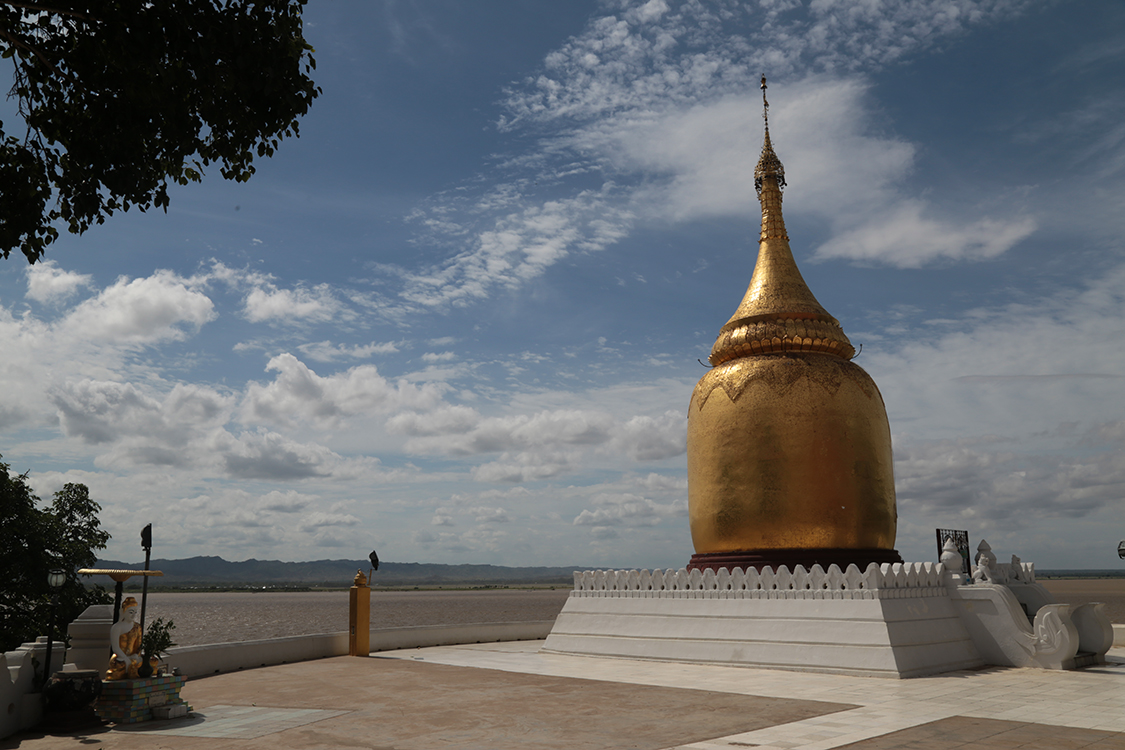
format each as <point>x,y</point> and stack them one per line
<point>359,617</point>
<point>789,448</point>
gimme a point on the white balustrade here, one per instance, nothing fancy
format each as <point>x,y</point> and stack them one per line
<point>886,581</point>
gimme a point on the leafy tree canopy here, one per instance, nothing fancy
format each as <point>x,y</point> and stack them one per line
<point>33,541</point>
<point>120,97</point>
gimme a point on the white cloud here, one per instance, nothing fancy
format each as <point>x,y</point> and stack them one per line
<point>298,394</point>
<point>97,339</point>
<point>107,411</point>
<point>526,466</point>
<point>267,303</point>
<point>161,307</point>
<point>988,366</point>
<point>264,301</point>
<point>991,486</point>
<point>461,431</point>
<point>289,501</point>
<point>629,509</point>
<point>518,247</point>
<point>446,420</point>
<point>703,157</point>
<point>490,515</point>
<point>270,456</point>
<point>630,64</point>
<point>647,438</point>
<point>318,520</point>
<point>903,237</point>
<point>544,444</point>
<point>326,351</point>
<point>46,282</point>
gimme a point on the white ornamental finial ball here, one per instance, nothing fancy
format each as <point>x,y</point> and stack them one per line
<point>950,557</point>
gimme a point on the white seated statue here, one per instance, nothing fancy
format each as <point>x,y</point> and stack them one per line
<point>125,640</point>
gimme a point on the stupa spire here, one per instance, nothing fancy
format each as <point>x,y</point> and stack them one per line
<point>779,313</point>
<point>768,163</point>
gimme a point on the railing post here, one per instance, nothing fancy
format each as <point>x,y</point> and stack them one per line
<point>359,617</point>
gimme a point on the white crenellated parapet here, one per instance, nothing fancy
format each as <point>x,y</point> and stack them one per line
<point>888,581</point>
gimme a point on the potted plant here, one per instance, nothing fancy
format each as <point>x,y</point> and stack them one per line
<point>155,642</point>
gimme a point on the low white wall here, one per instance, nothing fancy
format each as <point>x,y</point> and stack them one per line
<point>200,661</point>
<point>1118,635</point>
<point>20,708</point>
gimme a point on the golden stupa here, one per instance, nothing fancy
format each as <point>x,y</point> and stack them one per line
<point>789,448</point>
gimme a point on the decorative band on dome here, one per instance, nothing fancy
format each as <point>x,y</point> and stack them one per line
<point>777,335</point>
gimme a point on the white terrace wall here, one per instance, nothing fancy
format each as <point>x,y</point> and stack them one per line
<point>20,708</point>
<point>200,661</point>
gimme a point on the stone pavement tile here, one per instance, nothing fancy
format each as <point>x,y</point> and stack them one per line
<point>417,705</point>
<point>1116,742</point>
<point>966,732</point>
<point>241,722</point>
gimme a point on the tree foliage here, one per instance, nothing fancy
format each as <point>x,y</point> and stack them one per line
<point>122,97</point>
<point>33,541</point>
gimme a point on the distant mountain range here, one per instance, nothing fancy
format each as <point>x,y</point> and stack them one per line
<point>215,571</point>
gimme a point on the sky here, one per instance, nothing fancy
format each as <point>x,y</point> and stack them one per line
<point>460,318</point>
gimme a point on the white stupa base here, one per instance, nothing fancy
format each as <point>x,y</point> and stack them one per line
<point>831,621</point>
<point>902,620</point>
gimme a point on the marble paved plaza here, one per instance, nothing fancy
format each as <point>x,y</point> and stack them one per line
<point>889,713</point>
<point>506,695</point>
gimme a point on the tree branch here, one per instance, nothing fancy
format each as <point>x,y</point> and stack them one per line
<point>33,50</point>
<point>45,9</point>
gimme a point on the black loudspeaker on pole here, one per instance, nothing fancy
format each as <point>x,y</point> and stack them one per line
<point>146,543</point>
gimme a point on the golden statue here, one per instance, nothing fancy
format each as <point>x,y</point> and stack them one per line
<point>125,639</point>
<point>789,448</point>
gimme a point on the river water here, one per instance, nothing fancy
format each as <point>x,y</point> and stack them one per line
<point>223,617</point>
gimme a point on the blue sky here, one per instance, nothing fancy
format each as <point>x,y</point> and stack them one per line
<point>458,319</point>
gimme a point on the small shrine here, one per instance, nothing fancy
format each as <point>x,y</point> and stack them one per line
<point>135,686</point>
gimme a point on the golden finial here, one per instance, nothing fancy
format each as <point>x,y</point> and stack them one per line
<point>768,165</point>
<point>765,105</point>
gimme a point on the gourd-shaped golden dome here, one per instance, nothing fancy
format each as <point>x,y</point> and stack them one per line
<point>789,448</point>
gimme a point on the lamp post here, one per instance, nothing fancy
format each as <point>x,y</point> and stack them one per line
<point>55,579</point>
